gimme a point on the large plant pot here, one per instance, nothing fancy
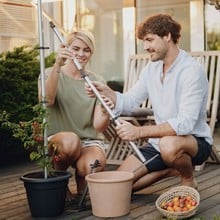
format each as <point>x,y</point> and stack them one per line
<point>110,193</point>
<point>46,197</point>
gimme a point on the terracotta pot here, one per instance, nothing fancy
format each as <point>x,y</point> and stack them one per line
<point>110,193</point>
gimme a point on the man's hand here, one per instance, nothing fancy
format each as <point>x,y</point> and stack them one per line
<point>103,89</point>
<point>127,131</point>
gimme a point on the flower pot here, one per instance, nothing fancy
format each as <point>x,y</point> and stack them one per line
<point>46,197</point>
<point>110,193</point>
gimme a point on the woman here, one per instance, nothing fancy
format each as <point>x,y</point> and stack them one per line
<point>75,120</point>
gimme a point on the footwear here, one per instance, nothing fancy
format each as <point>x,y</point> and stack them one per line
<point>76,205</point>
<point>74,201</point>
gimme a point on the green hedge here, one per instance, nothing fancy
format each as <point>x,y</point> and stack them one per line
<point>19,72</point>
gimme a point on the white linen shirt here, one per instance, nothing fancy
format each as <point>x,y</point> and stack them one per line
<point>180,100</point>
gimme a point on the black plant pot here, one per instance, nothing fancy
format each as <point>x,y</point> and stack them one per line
<point>46,197</point>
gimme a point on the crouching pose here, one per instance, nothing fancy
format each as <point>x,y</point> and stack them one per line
<point>177,87</point>
<point>75,121</point>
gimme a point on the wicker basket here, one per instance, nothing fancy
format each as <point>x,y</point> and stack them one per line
<point>178,191</point>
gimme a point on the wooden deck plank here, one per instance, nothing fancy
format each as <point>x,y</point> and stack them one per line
<point>13,202</point>
<point>210,208</point>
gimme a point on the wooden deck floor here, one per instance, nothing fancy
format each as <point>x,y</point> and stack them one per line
<point>13,203</point>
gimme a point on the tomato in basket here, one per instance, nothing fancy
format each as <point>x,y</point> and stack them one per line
<point>179,204</point>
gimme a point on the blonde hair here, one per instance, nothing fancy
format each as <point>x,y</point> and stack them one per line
<point>84,35</point>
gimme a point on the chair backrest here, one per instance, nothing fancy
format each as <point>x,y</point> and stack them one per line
<point>135,64</point>
<point>210,60</point>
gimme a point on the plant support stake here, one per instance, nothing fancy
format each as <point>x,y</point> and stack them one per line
<point>42,75</point>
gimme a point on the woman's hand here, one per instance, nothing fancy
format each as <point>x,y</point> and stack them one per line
<point>101,115</point>
<point>108,102</point>
<point>127,131</point>
<point>63,54</point>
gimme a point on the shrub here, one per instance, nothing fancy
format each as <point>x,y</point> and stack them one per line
<point>19,74</point>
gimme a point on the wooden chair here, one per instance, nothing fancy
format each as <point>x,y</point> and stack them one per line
<point>118,149</point>
<point>144,114</point>
<point>210,60</point>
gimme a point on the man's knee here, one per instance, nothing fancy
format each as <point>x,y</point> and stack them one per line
<point>168,148</point>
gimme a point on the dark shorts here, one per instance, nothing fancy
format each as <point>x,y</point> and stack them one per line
<point>148,151</point>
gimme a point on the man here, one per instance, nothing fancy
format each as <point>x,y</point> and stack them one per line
<point>177,88</point>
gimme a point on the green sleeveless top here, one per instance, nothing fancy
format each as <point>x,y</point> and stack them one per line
<point>73,109</point>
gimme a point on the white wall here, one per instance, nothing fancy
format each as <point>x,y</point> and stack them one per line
<point>197,25</point>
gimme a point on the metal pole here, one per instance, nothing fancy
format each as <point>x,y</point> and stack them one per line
<point>42,74</point>
<point>86,78</point>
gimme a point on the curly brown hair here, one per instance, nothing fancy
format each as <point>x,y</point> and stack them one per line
<point>161,25</point>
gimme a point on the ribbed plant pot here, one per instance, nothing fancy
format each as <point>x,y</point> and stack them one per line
<point>110,193</point>
<point>46,197</point>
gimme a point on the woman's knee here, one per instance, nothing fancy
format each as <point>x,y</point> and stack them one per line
<point>91,159</point>
<point>66,144</point>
